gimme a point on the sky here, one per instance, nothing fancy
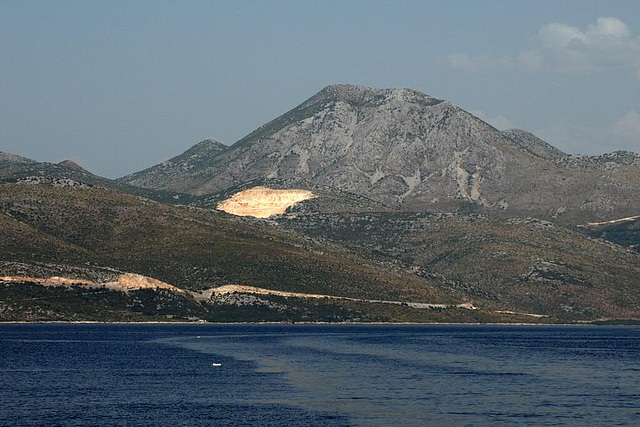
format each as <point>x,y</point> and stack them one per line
<point>118,86</point>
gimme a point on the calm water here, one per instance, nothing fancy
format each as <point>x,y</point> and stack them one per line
<point>318,375</point>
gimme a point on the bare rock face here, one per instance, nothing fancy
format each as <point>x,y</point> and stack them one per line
<point>533,144</point>
<point>262,202</point>
<point>414,152</point>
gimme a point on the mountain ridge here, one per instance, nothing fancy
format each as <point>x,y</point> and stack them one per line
<point>171,169</point>
<point>407,149</point>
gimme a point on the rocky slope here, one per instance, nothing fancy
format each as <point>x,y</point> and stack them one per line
<point>69,174</point>
<point>174,170</point>
<point>7,159</point>
<point>415,152</point>
<point>55,237</point>
<point>531,143</point>
<point>623,231</point>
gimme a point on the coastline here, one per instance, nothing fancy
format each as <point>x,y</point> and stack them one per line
<point>92,322</point>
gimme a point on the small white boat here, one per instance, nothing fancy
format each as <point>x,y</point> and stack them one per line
<point>216,364</point>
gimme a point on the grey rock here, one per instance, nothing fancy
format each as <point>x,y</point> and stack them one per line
<point>414,152</point>
<point>172,171</point>
<point>531,143</point>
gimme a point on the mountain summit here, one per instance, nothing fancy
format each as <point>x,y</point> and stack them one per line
<point>415,152</point>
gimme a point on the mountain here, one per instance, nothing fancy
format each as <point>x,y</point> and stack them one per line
<point>69,174</point>
<point>534,265</point>
<point>69,252</point>
<point>411,151</point>
<point>10,163</point>
<point>173,171</point>
<point>531,143</point>
<point>390,205</point>
<point>51,230</point>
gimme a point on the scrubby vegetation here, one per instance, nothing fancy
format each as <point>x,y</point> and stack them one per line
<point>518,265</point>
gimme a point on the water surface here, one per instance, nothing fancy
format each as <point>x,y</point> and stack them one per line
<point>319,375</point>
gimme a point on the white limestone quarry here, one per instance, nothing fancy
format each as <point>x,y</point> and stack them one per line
<point>263,202</point>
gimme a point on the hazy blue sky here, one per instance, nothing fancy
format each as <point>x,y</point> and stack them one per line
<point>119,86</point>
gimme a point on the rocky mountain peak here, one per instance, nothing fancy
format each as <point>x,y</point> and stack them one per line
<point>365,96</point>
<point>411,151</point>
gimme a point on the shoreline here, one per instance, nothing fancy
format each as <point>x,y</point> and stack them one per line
<point>96,322</point>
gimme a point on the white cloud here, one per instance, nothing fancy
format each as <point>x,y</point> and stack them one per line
<point>608,44</point>
<point>499,122</point>
<point>604,45</point>
<point>628,127</point>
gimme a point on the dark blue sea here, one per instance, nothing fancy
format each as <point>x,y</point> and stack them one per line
<point>318,375</point>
